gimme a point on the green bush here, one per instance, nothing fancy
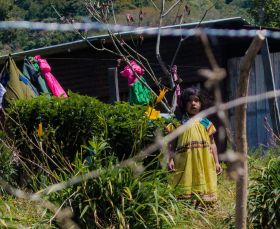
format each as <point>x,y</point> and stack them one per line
<point>137,195</point>
<point>129,130</point>
<point>70,123</point>
<point>264,197</point>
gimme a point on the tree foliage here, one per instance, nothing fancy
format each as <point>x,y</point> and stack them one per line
<point>38,10</point>
<point>266,13</point>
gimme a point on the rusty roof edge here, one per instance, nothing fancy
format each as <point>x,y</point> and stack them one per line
<point>67,45</point>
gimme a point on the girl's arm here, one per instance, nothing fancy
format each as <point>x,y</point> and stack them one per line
<point>215,155</point>
<point>171,148</point>
<point>171,152</point>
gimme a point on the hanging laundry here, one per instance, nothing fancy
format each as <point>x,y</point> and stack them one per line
<point>138,91</point>
<point>176,81</point>
<point>17,85</point>
<point>52,82</point>
<point>31,70</point>
<point>2,92</point>
<point>128,73</point>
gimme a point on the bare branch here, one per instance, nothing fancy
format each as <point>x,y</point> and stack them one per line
<point>137,76</point>
<point>154,4</point>
<point>83,37</point>
<point>113,11</point>
<point>214,77</point>
<point>241,139</point>
<point>207,48</point>
<point>183,39</point>
<point>161,63</point>
<point>171,8</point>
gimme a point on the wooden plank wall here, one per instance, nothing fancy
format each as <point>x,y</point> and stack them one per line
<point>257,134</point>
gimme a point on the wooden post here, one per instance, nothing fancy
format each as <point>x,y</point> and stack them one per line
<point>113,85</point>
<point>270,85</point>
<point>241,139</point>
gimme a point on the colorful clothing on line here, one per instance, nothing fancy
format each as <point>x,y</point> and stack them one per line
<point>52,82</point>
<point>138,93</point>
<point>31,70</point>
<point>194,162</point>
<point>129,74</point>
<point>16,84</point>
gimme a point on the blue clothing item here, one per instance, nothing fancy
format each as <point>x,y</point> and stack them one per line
<point>4,78</point>
<point>2,92</point>
<point>88,159</point>
<point>35,76</point>
<point>26,81</point>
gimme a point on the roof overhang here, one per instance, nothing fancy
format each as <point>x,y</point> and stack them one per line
<point>230,23</point>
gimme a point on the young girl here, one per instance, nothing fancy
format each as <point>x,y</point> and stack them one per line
<point>195,159</point>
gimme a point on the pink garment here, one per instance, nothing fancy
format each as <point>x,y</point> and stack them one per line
<point>52,82</point>
<point>175,78</point>
<point>128,73</point>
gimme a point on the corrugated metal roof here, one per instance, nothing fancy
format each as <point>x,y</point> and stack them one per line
<point>238,21</point>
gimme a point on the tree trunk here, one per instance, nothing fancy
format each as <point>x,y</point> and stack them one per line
<point>241,139</point>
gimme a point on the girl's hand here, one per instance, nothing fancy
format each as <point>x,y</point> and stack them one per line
<point>171,165</point>
<point>219,169</point>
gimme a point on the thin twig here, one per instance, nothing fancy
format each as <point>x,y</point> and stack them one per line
<point>137,76</point>
<point>154,4</point>
<point>158,56</point>
<point>171,8</point>
<point>185,38</point>
<point>83,37</point>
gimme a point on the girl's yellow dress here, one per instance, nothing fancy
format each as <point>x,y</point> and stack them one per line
<point>194,162</point>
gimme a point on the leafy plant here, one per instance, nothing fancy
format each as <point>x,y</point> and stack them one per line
<point>118,197</point>
<point>264,197</point>
<point>70,123</point>
<point>7,162</point>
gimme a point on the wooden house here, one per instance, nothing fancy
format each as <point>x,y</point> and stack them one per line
<point>83,69</point>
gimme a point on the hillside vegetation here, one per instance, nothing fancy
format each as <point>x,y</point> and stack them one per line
<point>36,10</point>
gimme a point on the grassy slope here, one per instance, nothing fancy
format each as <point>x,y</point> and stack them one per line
<point>16,213</point>
<point>19,213</point>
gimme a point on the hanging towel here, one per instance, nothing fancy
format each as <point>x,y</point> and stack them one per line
<point>52,83</point>
<point>128,73</point>
<point>138,92</point>
<point>32,71</point>
<point>17,85</point>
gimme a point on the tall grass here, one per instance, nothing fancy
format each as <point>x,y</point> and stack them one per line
<point>119,197</point>
<point>7,160</point>
<point>264,197</point>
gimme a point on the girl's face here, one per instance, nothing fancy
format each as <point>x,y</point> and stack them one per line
<point>193,105</point>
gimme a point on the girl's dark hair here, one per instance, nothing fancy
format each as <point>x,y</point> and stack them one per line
<point>185,96</point>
